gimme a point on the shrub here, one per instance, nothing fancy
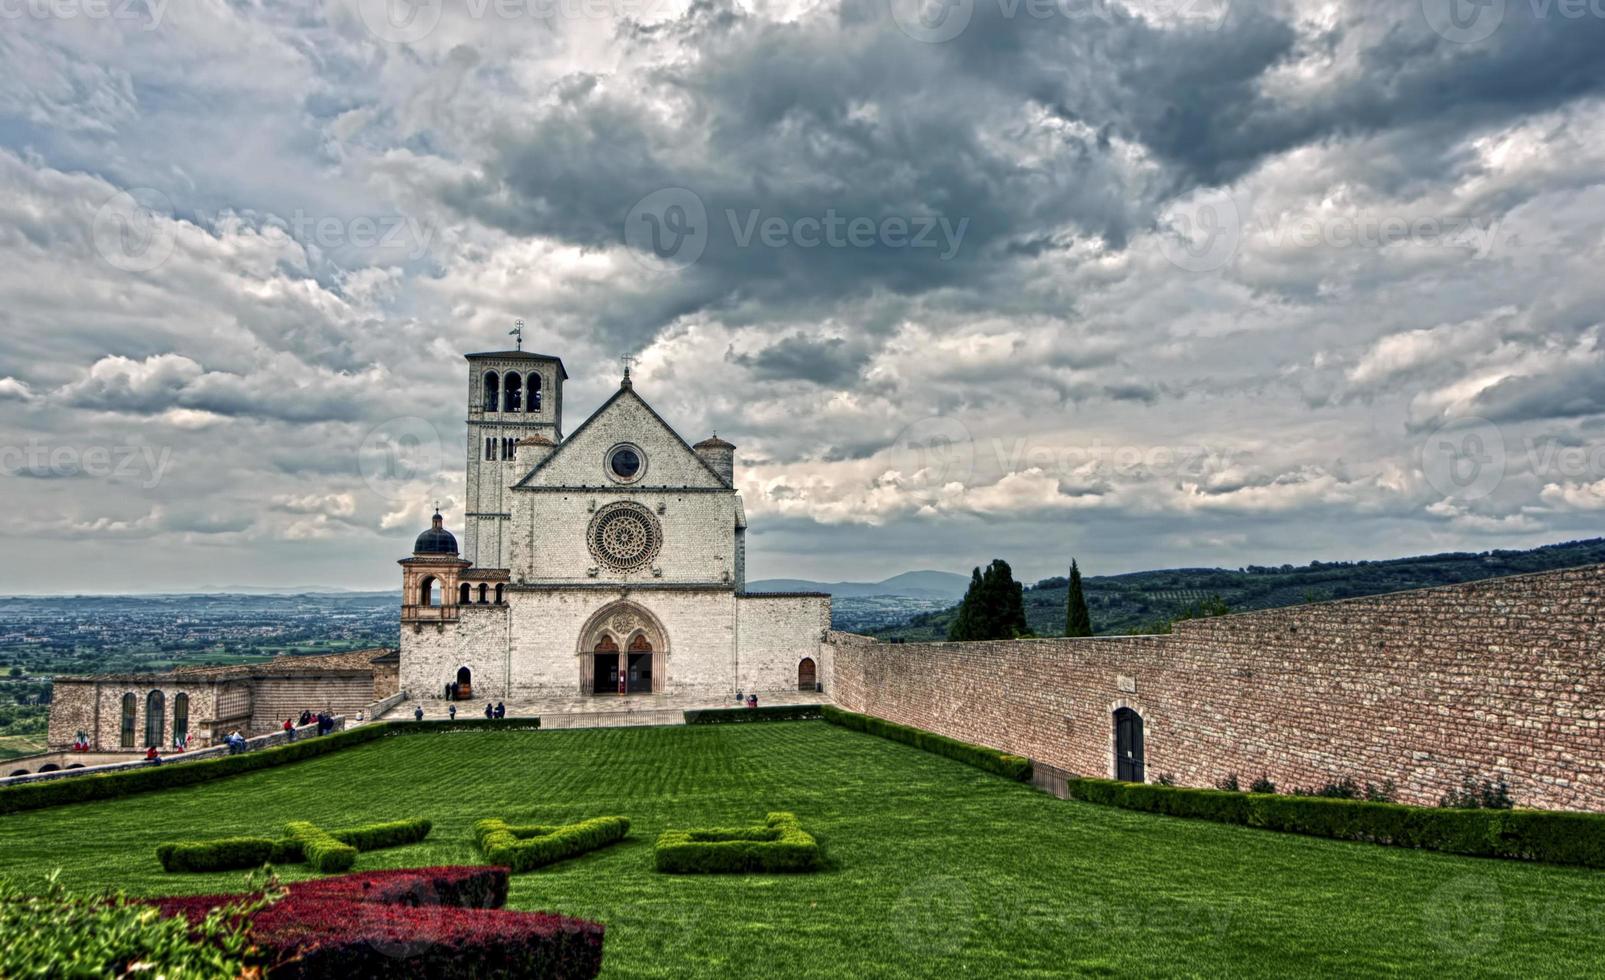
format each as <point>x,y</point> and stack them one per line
<point>529,847</point>
<point>1386,793</point>
<point>779,845</point>
<point>223,854</point>
<point>434,922</point>
<point>734,716</point>
<point>992,760</point>
<point>478,887</point>
<point>1229,784</point>
<point>1555,838</point>
<point>1262,785</point>
<point>252,852</point>
<point>320,849</point>
<point>1472,795</point>
<point>378,836</point>
<point>58,934</point>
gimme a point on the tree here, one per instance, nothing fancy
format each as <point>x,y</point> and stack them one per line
<point>993,608</point>
<point>1078,620</point>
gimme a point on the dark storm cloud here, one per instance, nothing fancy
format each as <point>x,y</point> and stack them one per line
<point>1574,391</point>
<point>827,361</point>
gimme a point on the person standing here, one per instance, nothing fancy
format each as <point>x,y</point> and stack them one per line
<point>501,710</point>
<point>418,713</point>
<point>490,712</point>
<point>452,711</point>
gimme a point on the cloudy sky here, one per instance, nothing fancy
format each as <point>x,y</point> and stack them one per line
<point>1148,282</point>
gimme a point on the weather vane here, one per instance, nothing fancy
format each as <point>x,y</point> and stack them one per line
<point>518,331</point>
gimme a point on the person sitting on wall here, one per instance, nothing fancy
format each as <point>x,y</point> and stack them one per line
<point>490,712</point>
<point>236,742</point>
<point>289,729</point>
<point>752,700</point>
<point>152,756</point>
<point>418,713</point>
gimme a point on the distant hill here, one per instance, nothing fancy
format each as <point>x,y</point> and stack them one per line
<point>1143,602</point>
<point>915,585</point>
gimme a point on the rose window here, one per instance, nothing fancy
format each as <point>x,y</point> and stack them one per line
<point>625,536</point>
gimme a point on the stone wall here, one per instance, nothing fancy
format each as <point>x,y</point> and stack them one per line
<point>339,693</point>
<point>1502,678</point>
<point>775,633</point>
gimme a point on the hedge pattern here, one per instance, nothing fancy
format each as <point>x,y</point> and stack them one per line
<point>736,716</point>
<point>524,848</point>
<point>779,845</point>
<point>1529,835</point>
<point>112,785</point>
<point>426,922</point>
<point>234,853</point>
<point>319,848</point>
<point>1008,766</point>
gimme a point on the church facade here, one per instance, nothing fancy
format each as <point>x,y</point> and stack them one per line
<point>611,561</point>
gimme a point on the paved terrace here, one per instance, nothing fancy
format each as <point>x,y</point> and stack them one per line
<point>601,711</point>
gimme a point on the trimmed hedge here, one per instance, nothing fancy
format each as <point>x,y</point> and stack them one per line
<point>223,854</point>
<point>528,847</point>
<point>1529,835</point>
<point>320,848</point>
<point>736,716</point>
<point>779,845</point>
<point>233,853</point>
<point>1008,766</point>
<point>111,785</point>
<point>425,922</point>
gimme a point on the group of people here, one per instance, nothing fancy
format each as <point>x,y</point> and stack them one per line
<point>499,711</point>
<point>324,719</point>
<point>236,742</point>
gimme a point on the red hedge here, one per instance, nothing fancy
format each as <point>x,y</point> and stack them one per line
<point>426,922</point>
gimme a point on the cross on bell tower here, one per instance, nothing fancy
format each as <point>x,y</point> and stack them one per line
<point>628,360</point>
<point>518,331</point>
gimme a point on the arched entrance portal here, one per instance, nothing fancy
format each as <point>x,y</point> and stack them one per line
<point>1128,746</point>
<point>623,650</point>
<point>807,674</point>
<point>464,690</point>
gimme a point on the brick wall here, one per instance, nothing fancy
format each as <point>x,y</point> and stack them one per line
<point>1497,678</point>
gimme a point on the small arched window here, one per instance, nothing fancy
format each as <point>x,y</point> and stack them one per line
<point>428,591</point>
<point>534,392</point>
<point>484,594</point>
<point>493,391</point>
<point>130,709</point>
<point>155,708</point>
<point>501,594</point>
<point>463,594</point>
<point>513,388</point>
<point>180,718</point>
<point>490,448</point>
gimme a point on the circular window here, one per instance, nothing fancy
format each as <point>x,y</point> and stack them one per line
<point>624,536</point>
<point>625,463</point>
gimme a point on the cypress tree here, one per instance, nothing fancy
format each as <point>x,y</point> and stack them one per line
<point>1078,621</point>
<point>993,608</point>
<point>963,627</point>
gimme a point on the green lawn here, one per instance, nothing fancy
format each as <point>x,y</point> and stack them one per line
<point>941,870</point>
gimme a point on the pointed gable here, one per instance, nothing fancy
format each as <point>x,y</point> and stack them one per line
<point>626,418</point>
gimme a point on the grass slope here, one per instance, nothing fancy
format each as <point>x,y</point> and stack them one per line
<point>940,869</point>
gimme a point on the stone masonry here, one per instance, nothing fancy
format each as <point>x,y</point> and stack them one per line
<point>1501,678</point>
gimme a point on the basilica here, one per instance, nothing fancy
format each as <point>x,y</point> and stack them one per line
<point>610,561</point>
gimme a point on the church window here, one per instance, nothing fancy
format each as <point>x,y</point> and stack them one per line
<point>626,463</point>
<point>501,594</point>
<point>484,594</point>
<point>429,592</point>
<point>180,718</point>
<point>493,391</point>
<point>534,392</point>
<point>490,448</point>
<point>130,708</point>
<point>513,393</point>
<point>625,536</point>
<point>155,707</point>
<point>465,594</point>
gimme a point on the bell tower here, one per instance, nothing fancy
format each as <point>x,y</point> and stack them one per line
<point>511,395</point>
